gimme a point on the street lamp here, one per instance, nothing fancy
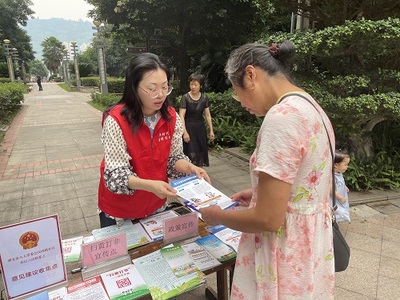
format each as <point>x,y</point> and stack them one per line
<point>74,52</point>
<point>9,59</point>
<point>66,65</point>
<point>15,56</point>
<point>101,59</point>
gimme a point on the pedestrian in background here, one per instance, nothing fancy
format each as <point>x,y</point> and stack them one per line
<point>194,107</point>
<point>286,249</point>
<point>39,82</point>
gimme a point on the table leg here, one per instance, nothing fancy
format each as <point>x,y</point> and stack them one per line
<point>222,287</point>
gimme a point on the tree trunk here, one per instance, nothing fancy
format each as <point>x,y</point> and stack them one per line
<point>361,142</point>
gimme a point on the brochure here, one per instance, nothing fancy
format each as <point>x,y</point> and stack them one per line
<point>221,251</point>
<point>72,248</point>
<point>135,234</point>
<point>40,296</point>
<point>179,261</point>
<point>154,224</point>
<point>230,237</point>
<point>198,193</point>
<point>124,283</point>
<point>161,280</point>
<point>200,256</point>
<point>87,290</point>
<point>58,294</point>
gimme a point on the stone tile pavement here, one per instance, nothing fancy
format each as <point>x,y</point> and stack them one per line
<point>49,163</point>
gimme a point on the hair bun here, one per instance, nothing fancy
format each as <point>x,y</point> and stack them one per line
<point>274,49</point>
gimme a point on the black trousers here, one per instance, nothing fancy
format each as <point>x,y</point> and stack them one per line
<point>106,221</point>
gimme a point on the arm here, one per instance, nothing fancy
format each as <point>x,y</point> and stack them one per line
<point>268,214</point>
<point>340,197</point>
<point>207,114</point>
<point>182,113</point>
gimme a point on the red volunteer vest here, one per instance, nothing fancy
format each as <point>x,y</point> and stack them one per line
<point>149,161</point>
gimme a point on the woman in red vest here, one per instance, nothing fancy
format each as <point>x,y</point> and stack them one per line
<point>142,139</point>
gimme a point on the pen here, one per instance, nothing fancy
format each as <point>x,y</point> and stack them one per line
<point>192,207</point>
<point>76,270</point>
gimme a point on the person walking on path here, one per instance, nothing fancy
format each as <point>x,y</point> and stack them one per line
<point>194,107</point>
<point>286,249</point>
<point>39,82</point>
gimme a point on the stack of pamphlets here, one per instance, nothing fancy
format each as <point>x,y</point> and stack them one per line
<point>135,234</point>
<point>200,256</point>
<point>227,235</point>
<point>72,248</point>
<point>221,251</point>
<point>154,224</point>
<point>169,272</point>
<point>124,283</point>
<point>198,193</point>
<point>91,288</point>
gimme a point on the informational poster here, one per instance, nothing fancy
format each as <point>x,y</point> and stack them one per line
<point>31,257</point>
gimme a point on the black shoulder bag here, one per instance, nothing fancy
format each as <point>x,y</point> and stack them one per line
<point>340,246</point>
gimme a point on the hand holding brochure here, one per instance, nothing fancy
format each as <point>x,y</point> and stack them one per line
<point>198,193</point>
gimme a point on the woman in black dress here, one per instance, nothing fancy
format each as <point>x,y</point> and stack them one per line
<point>193,109</point>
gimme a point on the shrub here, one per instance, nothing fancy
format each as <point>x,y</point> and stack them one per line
<point>11,98</point>
<point>105,100</point>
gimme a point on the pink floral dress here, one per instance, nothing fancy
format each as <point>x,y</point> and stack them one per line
<point>295,262</point>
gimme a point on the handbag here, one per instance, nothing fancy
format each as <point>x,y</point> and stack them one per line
<point>341,249</point>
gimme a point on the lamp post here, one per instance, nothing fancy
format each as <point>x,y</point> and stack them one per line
<point>66,65</point>
<point>9,59</point>
<point>101,59</point>
<point>15,57</point>
<point>23,71</point>
<point>74,52</point>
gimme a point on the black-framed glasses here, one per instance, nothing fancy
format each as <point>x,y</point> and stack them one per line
<point>154,93</point>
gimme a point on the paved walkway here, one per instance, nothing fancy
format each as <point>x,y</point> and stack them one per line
<point>49,163</point>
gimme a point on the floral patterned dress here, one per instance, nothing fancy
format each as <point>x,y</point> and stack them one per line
<point>295,262</point>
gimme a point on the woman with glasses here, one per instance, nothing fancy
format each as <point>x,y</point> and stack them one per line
<point>193,109</point>
<point>286,248</point>
<point>142,139</point>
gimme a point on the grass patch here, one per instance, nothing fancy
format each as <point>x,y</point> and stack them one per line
<point>67,87</point>
<point>98,106</point>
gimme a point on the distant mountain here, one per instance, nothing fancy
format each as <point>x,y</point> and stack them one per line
<point>65,31</point>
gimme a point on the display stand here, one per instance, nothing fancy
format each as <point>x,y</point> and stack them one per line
<point>105,266</point>
<point>104,255</point>
<point>180,229</point>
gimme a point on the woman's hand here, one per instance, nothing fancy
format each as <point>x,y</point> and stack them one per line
<point>200,173</point>
<point>243,197</point>
<point>209,214</point>
<point>212,136</point>
<point>186,137</point>
<point>161,189</point>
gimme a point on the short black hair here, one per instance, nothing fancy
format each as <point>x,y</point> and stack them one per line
<point>340,155</point>
<point>196,77</point>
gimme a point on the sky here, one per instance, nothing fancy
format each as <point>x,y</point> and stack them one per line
<point>65,9</point>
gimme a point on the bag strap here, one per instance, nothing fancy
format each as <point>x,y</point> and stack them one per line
<point>330,147</point>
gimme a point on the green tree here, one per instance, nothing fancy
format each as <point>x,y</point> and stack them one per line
<point>13,17</point>
<point>52,54</point>
<point>326,13</point>
<point>37,67</point>
<point>188,28</point>
<point>353,70</point>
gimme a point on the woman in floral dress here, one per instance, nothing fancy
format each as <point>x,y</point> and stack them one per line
<point>286,249</point>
